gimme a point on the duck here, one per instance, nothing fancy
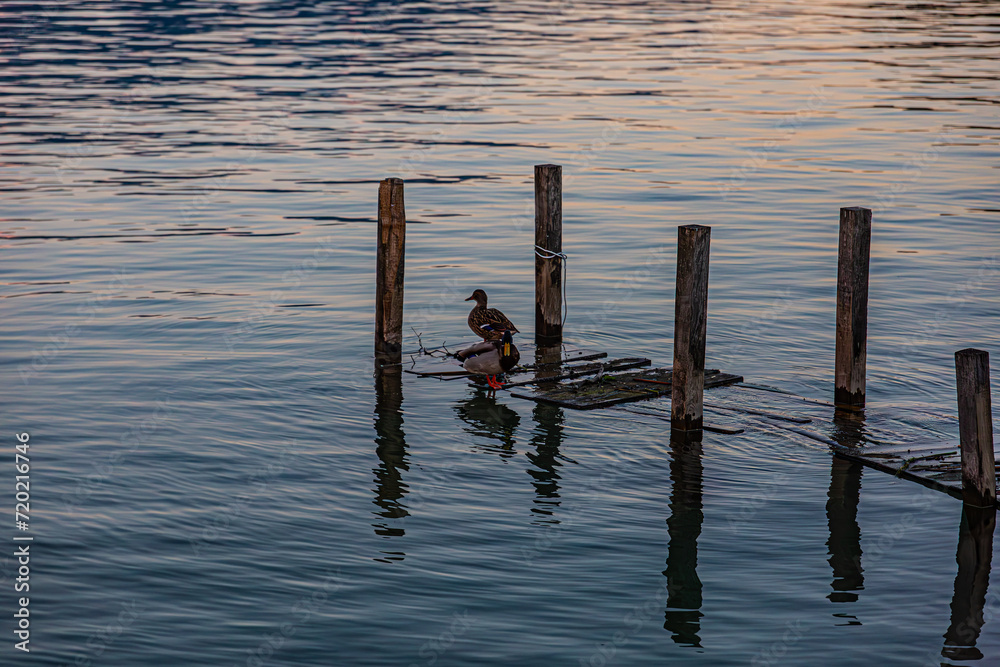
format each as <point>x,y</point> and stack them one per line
<point>491,358</point>
<point>488,323</point>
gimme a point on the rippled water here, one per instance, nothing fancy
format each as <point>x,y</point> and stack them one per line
<point>188,197</point>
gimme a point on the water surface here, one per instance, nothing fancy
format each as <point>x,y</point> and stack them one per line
<point>187,230</point>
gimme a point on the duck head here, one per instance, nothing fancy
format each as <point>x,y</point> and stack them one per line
<point>479,296</point>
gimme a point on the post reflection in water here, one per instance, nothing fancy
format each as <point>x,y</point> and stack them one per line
<point>546,440</point>
<point>975,557</point>
<point>844,545</point>
<point>683,613</point>
<point>487,418</point>
<point>390,447</point>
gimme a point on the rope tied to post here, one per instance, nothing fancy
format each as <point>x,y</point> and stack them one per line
<point>548,254</point>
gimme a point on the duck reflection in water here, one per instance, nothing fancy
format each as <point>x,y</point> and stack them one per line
<point>546,439</point>
<point>390,447</point>
<point>486,418</point>
<point>684,591</point>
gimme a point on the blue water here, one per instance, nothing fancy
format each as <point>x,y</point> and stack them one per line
<point>188,295</point>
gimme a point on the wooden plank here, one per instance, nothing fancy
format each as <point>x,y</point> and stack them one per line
<point>615,389</point>
<point>440,365</point>
<point>570,372</point>
<point>714,428</point>
<point>762,413</point>
<point>567,372</point>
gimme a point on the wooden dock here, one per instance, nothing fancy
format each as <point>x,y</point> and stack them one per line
<point>580,379</point>
<point>918,450</point>
<point>555,377</point>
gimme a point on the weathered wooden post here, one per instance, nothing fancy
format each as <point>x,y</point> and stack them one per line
<point>975,427</point>
<point>852,307</point>
<point>548,254</point>
<point>690,320</point>
<point>389,272</point>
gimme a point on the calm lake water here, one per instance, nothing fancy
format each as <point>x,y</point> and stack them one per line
<point>189,191</point>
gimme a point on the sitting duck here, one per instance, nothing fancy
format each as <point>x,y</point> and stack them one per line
<point>491,358</point>
<point>488,323</point>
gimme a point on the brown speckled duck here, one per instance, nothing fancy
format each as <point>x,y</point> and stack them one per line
<point>488,323</point>
<point>490,358</point>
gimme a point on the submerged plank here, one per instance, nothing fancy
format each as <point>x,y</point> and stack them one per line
<point>580,370</point>
<point>607,390</point>
<point>443,365</point>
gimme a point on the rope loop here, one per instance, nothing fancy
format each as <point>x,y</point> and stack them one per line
<point>548,254</point>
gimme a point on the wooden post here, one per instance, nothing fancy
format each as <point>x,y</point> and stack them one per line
<point>389,272</point>
<point>852,307</point>
<point>975,427</point>
<point>690,319</point>
<point>548,270</point>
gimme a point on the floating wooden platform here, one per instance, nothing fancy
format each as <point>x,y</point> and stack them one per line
<point>566,363</point>
<point>607,390</point>
<point>552,368</point>
<point>923,449</point>
<point>916,445</point>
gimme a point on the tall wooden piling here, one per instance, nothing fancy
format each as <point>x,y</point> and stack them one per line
<point>389,272</point>
<point>975,427</point>
<point>690,320</point>
<point>548,265</point>
<point>852,307</point>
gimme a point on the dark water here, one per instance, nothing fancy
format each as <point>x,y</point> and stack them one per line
<point>188,197</point>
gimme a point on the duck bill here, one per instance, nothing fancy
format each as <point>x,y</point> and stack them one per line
<point>506,349</point>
